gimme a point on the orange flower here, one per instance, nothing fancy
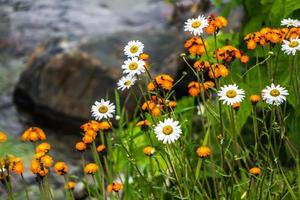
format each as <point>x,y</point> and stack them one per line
<point>80,146</point>
<point>155,111</point>
<point>251,44</point>
<point>254,99</point>
<point>43,147</point>
<point>91,125</point>
<point>47,161</point>
<point>70,185</point>
<point>172,104</point>
<point>91,168</point>
<point>201,65</point>
<point>105,125</point>
<point>236,106</point>
<point>35,166</point>
<point>203,152</point>
<point>101,148</point>
<point>143,123</point>
<point>151,86</point>
<point>164,81</point>
<point>115,186</point>
<point>33,134</point>
<point>255,171</point>
<point>18,168</point>
<point>61,168</point>
<point>245,59</point>
<point>3,137</point>
<point>87,139</point>
<point>149,151</point>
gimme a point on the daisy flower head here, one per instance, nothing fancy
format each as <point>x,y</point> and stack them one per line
<point>231,94</point>
<point>103,109</point>
<point>168,130</point>
<point>133,66</point>
<point>274,94</point>
<point>196,25</point>
<point>126,82</point>
<point>133,48</point>
<point>290,22</point>
<point>290,47</point>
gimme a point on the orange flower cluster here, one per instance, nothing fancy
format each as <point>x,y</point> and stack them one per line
<point>215,24</point>
<point>156,105</point>
<point>33,134</point>
<point>90,130</point>
<point>42,161</point>
<point>91,168</point>
<point>11,163</point>
<point>115,186</point>
<point>195,88</point>
<point>3,137</point>
<point>270,36</point>
<point>229,53</point>
<point>195,46</point>
<point>163,81</point>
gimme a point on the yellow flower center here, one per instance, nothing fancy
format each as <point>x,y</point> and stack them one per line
<point>134,49</point>
<point>196,24</point>
<point>133,66</point>
<point>127,83</point>
<point>274,93</point>
<point>167,130</point>
<point>231,93</point>
<point>293,44</point>
<point>103,109</point>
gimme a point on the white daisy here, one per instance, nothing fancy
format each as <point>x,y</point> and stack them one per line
<point>133,66</point>
<point>126,82</point>
<point>200,109</point>
<point>133,48</point>
<point>274,94</point>
<point>196,25</point>
<point>290,22</point>
<point>168,131</point>
<point>231,94</point>
<point>103,109</point>
<point>290,47</point>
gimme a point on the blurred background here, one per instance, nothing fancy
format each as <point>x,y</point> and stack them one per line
<point>58,56</point>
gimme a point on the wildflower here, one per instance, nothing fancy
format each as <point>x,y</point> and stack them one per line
<point>101,148</point>
<point>43,147</point>
<point>236,106</point>
<point>91,168</point>
<point>196,25</point>
<point>255,171</point>
<point>274,94</point>
<point>151,86</point>
<point>103,109</point>
<point>39,155</point>
<point>70,185</point>
<point>168,130</point>
<point>200,109</point>
<point>251,44</point>
<point>33,134</point>
<point>126,82</point>
<point>290,22</point>
<point>87,139</point>
<point>37,169</point>
<point>149,151</point>
<point>104,125</point>
<point>144,124</point>
<point>231,94</point>
<point>164,81</point>
<point>134,48</point>
<point>215,24</point>
<point>254,99</point>
<point>155,111</point>
<point>133,66</point>
<point>201,65</point>
<point>61,168</point>
<point>244,59</point>
<point>290,47</point>
<point>203,152</point>
<point>91,125</point>
<point>115,186</point>
<point>172,104</point>
<point>3,137</point>
<point>18,167</point>
<point>80,146</point>
<point>47,161</point>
